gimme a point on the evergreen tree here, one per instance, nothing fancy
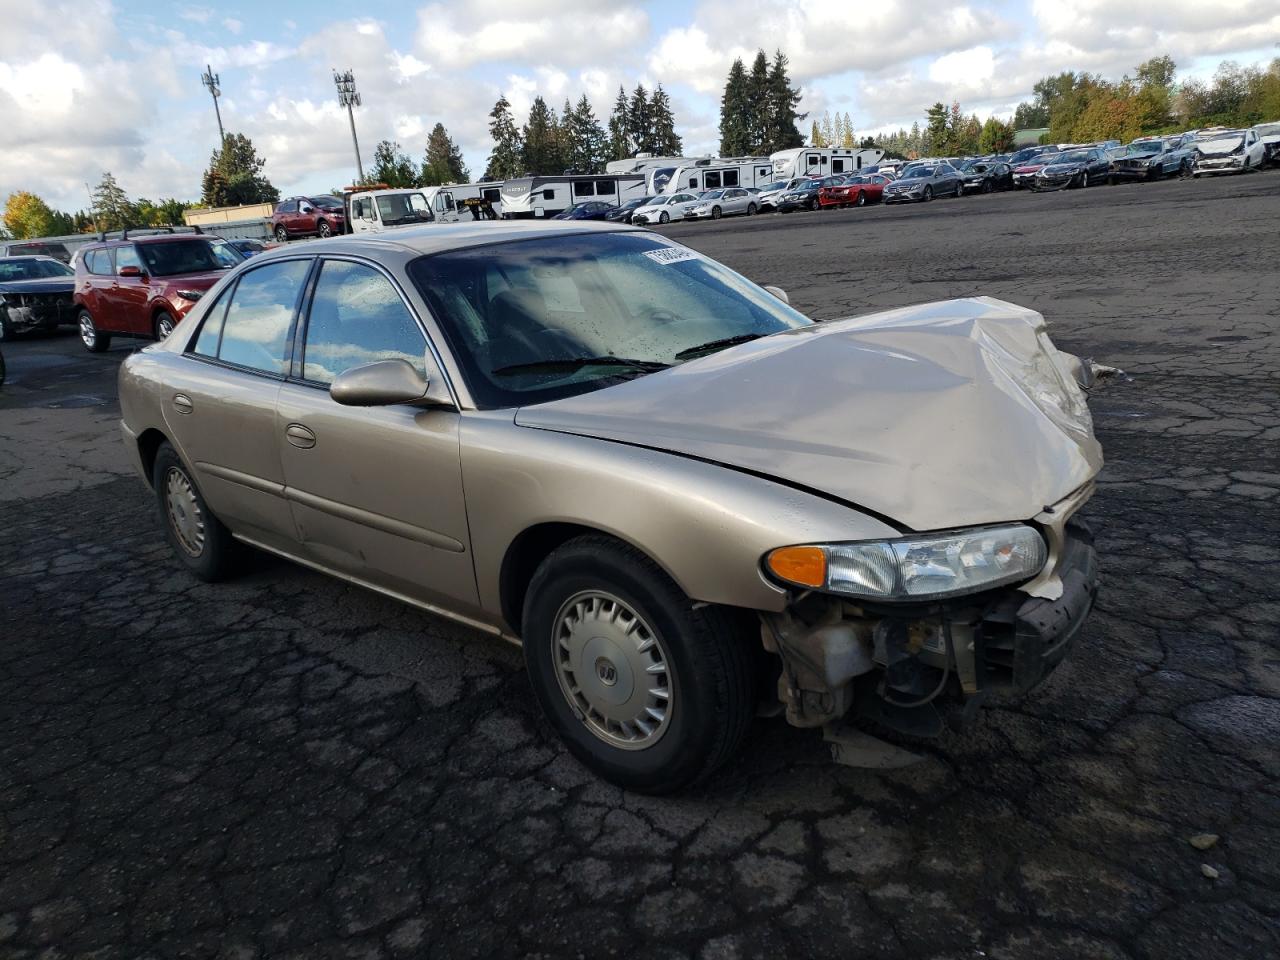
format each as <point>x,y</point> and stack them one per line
<point>640,120</point>
<point>847,138</point>
<point>541,146</point>
<point>443,163</point>
<point>619,148</point>
<point>759,108</point>
<point>915,142</point>
<point>507,159</point>
<point>112,205</point>
<point>590,144</point>
<point>568,139</point>
<point>935,134</point>
<point>815,136</point>
<point>392,167</point>
<point>235,175</point>
<point>829,136</point>
<point>783,98</point>
<point>666,142</point>
<point>735,114</point>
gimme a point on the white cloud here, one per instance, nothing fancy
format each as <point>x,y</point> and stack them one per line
<point>964,68</point>
<point>233,25</point>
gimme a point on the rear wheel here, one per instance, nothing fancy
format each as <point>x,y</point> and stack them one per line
<point>281,233</point>
<point>644,689</point>
<point>751,209</point>
<point>203,545</point>
<point>94,340</point>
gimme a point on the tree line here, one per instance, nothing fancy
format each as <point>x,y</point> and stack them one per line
<point>758,109</point>
<point>574,140</point>
<point>26,215</point>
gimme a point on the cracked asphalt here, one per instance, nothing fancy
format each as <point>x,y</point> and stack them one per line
<point>285,766</point>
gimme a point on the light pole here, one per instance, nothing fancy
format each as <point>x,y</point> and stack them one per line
<point>349,98</point>
<point>210,80</point>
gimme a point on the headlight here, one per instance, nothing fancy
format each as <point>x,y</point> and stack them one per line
<point>192,295</point>
<point>911,568</point>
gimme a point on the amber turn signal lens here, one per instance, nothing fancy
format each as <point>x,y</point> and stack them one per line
<point>806,566</point>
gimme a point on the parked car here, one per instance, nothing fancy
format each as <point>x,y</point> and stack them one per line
<point>731,202</point>
<point>804,196</point>
<point>1227,151</point>
<point>622,213</point>
<point>1269,135</point>
<point>249,247</point>
<point>1028,154</point>
<point>924,182</point>
<point>36,293</point>
<point>141,286</point>
<point>855,191</point>
<point>426,418</point>
<point>35,248</point>
<point>318,216</point>
<point>771,192</point>
<point>984,176</point>
<point>591,210</point>
<point>1073,168</point>
<point>228,254</point>
<point>664,208</point>
<point>1150,158</point>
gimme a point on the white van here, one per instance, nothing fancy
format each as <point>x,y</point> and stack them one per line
<point>527,197</point>
<point>716,173</point>
<point>821,161</point>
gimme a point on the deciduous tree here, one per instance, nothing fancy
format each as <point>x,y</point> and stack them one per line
<point>26,216</point>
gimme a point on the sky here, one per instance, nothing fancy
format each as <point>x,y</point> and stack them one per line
<point>88,86</point>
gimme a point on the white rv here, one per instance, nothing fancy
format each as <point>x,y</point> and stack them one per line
<point>546,196</point>
<point>822,161</point>
<point>657,170</point>
<point>714,173</point>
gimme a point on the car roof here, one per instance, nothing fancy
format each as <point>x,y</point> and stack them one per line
<point>28,256</point>
<point>437,238</point>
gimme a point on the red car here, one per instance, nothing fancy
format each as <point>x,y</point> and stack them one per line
<point>321,216</point>
<point>855,191</point>
<point>141,286</point>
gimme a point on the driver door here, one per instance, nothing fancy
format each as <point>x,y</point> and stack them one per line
<point>375,492</point>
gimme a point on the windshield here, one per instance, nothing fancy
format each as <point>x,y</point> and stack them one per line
<point>174,257</point>
<point>713,195</point>
<point>32,269</point>
<point>854,180</point>
<point>776,185</point>
<point>1075,156</point>
<point>1143,149</point>
<point>637,202</point>
<point>554,301</point>
<point>916,173</point>
<point>329,203</point>
<point>403,208</point>
<point>1219,135</point>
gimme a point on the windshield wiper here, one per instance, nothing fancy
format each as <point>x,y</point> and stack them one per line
<point>570,364</point>
<point>720,344</point>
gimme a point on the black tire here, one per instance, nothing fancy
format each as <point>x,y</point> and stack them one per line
<point>1084,179</point>
<point>1184,168</point>
<point>987,186</point>
<point>862,199</point>
<point>163,324</point>
<point>5,332</point>
<point>928,192</point>
<point>94,340</point>
<point>813,205</point>
<point>323,230</point>
<point>664,217</point>
<point>715,213</point>
<point>218,554</point>
<point>710,675</point>
<point>2,371</point>
<point>751,209</point>
<point>282,234</point>
<point>1112,179</point>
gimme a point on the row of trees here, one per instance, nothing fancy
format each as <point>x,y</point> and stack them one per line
<point>1081,107</point>
<point>575,139</point>
<point>758,109</point>
<point>27,215</point>
<point>837,132</point>
<point>442,163</point>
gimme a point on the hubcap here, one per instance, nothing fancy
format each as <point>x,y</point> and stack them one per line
<point>87,333</point>
<point>612,669</point>
<point>184,511</point>
<point>165,326</point>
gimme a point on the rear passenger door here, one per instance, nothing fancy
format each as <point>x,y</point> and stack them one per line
<point>376,492</point>
<point>221,407</point>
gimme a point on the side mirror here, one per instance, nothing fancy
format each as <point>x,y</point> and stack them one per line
<point>379,384</point>
<point>306,208</point>
<point>779,293</point>
<point>131,271</point>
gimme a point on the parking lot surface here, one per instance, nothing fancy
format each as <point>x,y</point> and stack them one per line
<point>286,766</point>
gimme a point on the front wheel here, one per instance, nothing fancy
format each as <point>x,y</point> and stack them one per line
<point>164,324</point>
<point>1084,178</point>
<point>644,689</point>
<point>928,193</point>
<point>862,199</point>
<point>324,230</point>
<point>201,542</point>
<point>94,340</point>
<point>715,213</point>
<point>664,217</point>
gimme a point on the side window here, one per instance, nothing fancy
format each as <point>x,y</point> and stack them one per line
<point>491,195</point>
<point>357,317</point>
<point>211,329</point>
<point>605,187</point>
<point>582,188</point>
<point>731,178</point>
<point>548,194</point>
<point>289,206</point>
<point>812,160</point>
<point>127,256</point>
<point>693,183</point>
<point>837,165</point>
<point>256,329</point>
<point>98,261</point>
<point>711,179</point>
<point>448,200</point>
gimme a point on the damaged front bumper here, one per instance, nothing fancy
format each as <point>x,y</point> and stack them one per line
<point>1231,164</point>
<point>912,668</point>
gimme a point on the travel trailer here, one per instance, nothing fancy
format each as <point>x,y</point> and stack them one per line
<point>713,173</point>
<point>463,198</point>
<point>526,197</point>
<point>821,161</point>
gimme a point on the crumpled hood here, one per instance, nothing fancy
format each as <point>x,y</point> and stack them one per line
<point>40,285</point>
<point>1220,147</point>
<point>941,415</point>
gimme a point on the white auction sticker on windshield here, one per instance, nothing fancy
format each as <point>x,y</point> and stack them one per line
<point>670,254</point>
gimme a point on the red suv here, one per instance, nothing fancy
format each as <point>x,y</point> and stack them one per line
<point>141,286</point>
<point>321,216</point>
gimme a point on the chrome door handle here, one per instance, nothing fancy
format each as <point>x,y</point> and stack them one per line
<point>182,403</point>
<point>300,436</point>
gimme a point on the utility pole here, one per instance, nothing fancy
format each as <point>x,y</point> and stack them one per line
<point>349,98</point>
<point>210,80</point>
